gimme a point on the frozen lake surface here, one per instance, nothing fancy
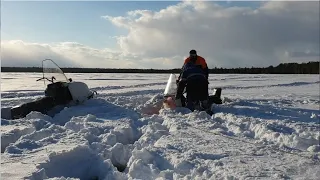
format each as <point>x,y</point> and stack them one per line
<point>267,128</point>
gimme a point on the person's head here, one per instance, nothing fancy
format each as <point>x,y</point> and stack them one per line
<point>193,55</point>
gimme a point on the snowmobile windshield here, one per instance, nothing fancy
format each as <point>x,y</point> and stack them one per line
<point>52,72</point>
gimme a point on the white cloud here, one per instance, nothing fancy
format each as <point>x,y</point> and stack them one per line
<point>72,54</point>
<point>66,54</point>
<point>227,37</point>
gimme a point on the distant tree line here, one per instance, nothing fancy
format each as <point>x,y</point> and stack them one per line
<point>283,68</point>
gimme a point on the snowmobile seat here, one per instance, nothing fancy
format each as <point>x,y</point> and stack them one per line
<point>59,92</point>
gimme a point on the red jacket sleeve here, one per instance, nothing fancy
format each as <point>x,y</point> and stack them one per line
<point>204,65</point>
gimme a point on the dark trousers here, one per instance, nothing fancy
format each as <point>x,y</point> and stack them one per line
<point>56,94</point>
<point>197,90</point>
<point>42,105</point>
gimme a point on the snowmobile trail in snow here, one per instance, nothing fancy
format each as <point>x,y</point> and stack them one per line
<point>257,133</point>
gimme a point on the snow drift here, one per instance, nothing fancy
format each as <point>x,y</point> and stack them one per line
<point>267,128</point>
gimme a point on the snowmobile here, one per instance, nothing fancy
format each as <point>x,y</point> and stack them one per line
<point>60,91</point>
<point>170,91</point>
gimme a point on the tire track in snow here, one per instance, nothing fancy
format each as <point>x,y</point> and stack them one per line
<point>257,152</point>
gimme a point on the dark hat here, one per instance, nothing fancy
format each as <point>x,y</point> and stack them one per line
<point>193,52</point>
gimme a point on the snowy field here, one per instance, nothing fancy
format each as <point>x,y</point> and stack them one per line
<point>267,128</point>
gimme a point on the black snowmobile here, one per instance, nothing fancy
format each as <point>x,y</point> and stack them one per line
<point>60,91</point>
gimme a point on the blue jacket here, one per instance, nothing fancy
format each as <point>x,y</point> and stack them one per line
<point>192,71</point>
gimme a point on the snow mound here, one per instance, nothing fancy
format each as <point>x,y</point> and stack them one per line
<point>80,162</point>
<point>267,127</point>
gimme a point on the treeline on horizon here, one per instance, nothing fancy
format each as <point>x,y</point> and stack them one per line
<point>283,68</point>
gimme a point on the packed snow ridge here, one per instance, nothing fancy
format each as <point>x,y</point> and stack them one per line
<point>263,130</point>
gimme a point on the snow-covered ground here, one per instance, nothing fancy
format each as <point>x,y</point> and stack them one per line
<point>267,128</point>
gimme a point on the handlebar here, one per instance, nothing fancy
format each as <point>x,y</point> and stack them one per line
<point>52,78</point>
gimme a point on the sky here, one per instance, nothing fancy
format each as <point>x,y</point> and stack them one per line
<point>158,34</point>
